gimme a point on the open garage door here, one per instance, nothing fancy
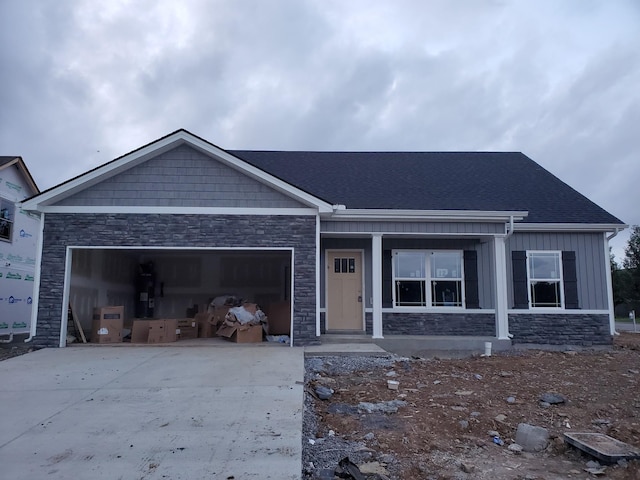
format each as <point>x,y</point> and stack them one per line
<point>175,283</point>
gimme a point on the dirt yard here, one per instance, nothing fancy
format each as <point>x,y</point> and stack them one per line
<point>454,408</point>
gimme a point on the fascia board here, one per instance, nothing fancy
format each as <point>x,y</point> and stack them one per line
<point>427,215</point>
<point>569,227</point>
<point>159,147</point>
<point>168,210</point>
<point>26,175</point>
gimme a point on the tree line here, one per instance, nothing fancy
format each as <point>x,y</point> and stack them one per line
<point>626,276</point>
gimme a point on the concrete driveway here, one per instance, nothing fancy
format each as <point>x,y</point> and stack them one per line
<point>149,412</point>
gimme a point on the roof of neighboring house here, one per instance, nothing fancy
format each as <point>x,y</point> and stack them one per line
<point>6,161</point>
<point>490,181</point>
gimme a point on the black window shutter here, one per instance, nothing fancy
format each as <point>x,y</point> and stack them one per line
<point>387,280</point>
<point>472,300</point>
<point>519,264</point>
<point>570,280</point>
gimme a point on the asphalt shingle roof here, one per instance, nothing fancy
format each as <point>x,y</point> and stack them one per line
<point>490,181</point>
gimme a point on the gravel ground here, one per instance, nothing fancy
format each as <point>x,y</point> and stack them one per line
<point>321,450</point>
<point>450,411</point>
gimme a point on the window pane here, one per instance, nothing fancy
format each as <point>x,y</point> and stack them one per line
<point>410,293</point>
<point>544,265</point>
<point>344,265</point>
<point>352,265</point>
<point>446,294</point>
<point>410,265</point>
<point>336,265</point>
<point>545,294</point>
<point>446,265</point>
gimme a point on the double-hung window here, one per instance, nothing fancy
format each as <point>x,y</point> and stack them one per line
<point>427,278</point>
<point>544,276</point>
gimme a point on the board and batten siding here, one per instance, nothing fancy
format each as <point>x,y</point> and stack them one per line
<point>332,226</point>
<point>591,264</point>
<point>181,177</point>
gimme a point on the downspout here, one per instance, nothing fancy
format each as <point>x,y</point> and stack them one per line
<point>8,340</point>
<point>615,233</point>
<point>612,315</point>
<point>510,232</point>
<point>36,282</point>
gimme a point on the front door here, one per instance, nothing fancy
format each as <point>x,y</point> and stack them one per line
<point>344,291</point>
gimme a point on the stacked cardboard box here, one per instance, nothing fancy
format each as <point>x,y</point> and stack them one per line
<point>206,325</point>
<point>187,328</point>
<point>107,324</point>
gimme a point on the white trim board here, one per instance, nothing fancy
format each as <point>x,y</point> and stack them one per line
<point>438,310</point>
<point>179,210</point>
<point>556,311</point>
<point>568,227</point>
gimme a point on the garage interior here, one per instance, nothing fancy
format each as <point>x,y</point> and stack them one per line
<point>174,283</point>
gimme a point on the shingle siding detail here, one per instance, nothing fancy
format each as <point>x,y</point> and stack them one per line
<point>472,324</point>
<point>182,177</point>
<point>110,230</point>
<point>580,330</point>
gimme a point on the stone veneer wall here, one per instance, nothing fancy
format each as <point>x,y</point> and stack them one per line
<point>560,329</point>
<point>157,230</point>
<point>470,324</point>
<point>368,322</point>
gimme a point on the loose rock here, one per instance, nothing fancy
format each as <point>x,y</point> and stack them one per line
<point>552,398</point>
<point>532,438</point>
<point>323,393</point>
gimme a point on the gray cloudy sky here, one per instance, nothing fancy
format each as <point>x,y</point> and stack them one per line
<point>85,81</point>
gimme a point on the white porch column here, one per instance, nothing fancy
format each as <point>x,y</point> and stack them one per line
<point>376,284</point>
<point>501,303</point>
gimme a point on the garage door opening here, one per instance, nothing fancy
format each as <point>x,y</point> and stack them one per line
<point>176,283</point>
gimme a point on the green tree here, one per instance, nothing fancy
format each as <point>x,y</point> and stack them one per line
<point>621,282</point>
<point>631,265</point>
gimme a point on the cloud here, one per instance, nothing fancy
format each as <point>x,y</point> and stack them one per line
<point>85,81</point>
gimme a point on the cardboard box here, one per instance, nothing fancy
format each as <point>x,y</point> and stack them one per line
<point>187,328</point>
<point>107,324</point>
<point>278,318</point>
<point>157,331</point>
<point>206,325</point>
<point>154,331</point>
<point>241,333</point>
<point>170,330</point>
<point>140,331</point>
<point>219,313</point>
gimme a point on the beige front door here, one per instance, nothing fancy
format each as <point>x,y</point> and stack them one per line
<point>344,290</point>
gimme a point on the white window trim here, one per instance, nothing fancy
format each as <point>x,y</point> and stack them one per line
<point>559,280</point>
<point>11,221</point>
<point>427,279</point>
